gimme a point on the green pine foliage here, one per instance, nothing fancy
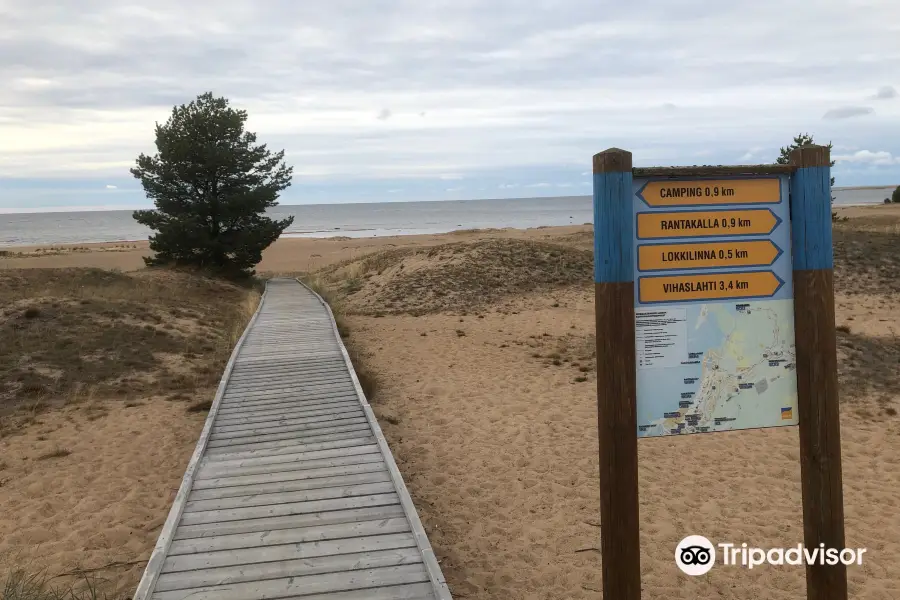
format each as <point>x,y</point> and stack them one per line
<point>211,184</point>
<point>895,197</point>
<point>804,139</point>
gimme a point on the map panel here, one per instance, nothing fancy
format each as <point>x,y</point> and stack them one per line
<point>723,366</point>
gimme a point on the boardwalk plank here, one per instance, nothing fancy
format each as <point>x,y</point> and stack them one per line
<point>354,459</point>
<point>303,387</point>
<point>355,411</point>
<point>236,404</point>
<point>289,568</point>
<point>293,391</point>
<point>298,430</point>
<point>290,382</point>
<point>290,412</point>
<point>282,510</point>
<point>228,466</point>
<point>293,497</point>
<point>333,517</point>
<point>290,486</point>
<point>348,442</point>
<point>254,416</point>
<point>304,586</point>
<point>291,363</point>
<point>299,371</point>
<point>301,437</point>
<point>368,466</point>
<point>348,432</point>
<point>250,543</point>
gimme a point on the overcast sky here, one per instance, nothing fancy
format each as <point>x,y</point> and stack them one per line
<point>444,99</point>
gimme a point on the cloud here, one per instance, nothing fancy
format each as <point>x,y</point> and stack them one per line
<point>112,187</point>
<point>751,155</point>
<point>867,157</point>
<point>533,101</point>
<point>542,184</point>
<point>846,112</point>
<point>885,92</point>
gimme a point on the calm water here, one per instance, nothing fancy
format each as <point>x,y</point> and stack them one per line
<point>352,220</point>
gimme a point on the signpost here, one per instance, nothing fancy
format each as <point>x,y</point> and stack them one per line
<point>703,192</point>
<point>715,311</point>
<point>704,223</point>
<point>699,255</point>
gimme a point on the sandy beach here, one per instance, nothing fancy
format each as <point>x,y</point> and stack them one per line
<point>481,344</point>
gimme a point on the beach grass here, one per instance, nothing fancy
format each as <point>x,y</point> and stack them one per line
<point>457,277</point>
<point>78,336</point>
<point>21,585</point>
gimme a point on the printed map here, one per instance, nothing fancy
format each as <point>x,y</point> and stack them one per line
<point>715,366</point>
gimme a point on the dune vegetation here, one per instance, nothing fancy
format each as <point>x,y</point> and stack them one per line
<point>101,371</point>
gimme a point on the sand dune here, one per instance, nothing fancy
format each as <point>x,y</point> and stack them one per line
<point>488,400</point>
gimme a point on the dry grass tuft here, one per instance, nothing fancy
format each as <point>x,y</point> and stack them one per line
<point>21,585</point>
<point>572,351</point>
<point>57,453</point>
<point>202,406</point>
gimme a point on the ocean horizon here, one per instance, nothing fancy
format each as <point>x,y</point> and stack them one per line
<point>373,219</point>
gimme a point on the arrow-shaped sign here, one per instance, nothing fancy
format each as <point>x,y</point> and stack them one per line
<point>700,255</point>
<point>706,223</point>
<point>712,286</point>
<point>706,192</point>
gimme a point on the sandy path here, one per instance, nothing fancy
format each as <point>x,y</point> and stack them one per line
<point>499,451</point>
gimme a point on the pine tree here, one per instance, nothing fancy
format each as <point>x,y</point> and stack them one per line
<point>211,184</point>
<point>804,139</point>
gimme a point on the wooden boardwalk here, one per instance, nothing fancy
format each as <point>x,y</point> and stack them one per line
<point>292,491</point>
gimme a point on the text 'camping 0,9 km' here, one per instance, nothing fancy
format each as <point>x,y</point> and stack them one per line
<point>714,320</point>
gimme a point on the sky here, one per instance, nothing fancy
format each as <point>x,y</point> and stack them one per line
<point>394,100</point>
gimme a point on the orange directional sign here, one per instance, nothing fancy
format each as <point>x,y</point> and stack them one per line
<point>713,286</point>
<point>706,223</point>
<point>705,192</point>
<point>697,255</point>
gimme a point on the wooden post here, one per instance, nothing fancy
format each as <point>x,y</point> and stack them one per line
<point>616,375</point>
<point>817,386</point>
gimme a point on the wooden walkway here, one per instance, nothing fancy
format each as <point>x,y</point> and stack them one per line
<point>292,491</point>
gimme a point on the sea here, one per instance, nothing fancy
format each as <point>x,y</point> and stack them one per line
<point>373,219</point>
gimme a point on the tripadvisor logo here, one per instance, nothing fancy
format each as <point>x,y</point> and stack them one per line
<point>696,555</point>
